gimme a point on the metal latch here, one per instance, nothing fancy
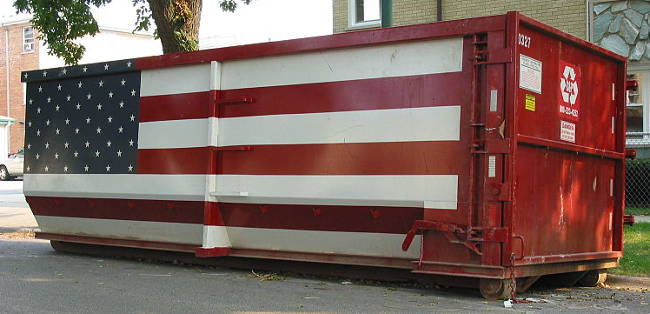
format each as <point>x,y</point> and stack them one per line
<point>466,236</point>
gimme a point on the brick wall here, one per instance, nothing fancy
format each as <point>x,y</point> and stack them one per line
<point>567,15</point>
<point>18,61</point>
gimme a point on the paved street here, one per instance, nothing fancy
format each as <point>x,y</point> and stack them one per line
<point>36,279</point>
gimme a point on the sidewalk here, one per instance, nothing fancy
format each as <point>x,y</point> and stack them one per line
<point>641,218</point>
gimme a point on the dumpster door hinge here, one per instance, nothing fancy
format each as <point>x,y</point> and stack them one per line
<point>493,56</point>
<point>467,237</point>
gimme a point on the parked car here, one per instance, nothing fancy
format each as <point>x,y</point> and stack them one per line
<point>13,166</point>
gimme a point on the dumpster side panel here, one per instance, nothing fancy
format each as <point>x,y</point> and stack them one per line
<point>568,108</point>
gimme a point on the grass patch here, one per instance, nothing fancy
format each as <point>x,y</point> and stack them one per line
<point>637,211</point>
<point>636,260</point>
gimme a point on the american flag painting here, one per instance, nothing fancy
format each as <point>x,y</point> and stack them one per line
<point>248,153</point>
<point>84,124</point>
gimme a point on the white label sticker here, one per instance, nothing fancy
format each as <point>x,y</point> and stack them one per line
<point>492,166</point>
<point>568,131</point>
<point>530,74</point>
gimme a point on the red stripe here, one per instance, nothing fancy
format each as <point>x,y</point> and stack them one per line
<point>195,160</point>
<point>403,158</point>
<point>176,107</point>
<point>122,209</point>
<point>343,40</point>
<point>299,217</point>
<point>369,94</point>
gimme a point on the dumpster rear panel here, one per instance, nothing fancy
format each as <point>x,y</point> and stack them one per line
<point>488,148</point>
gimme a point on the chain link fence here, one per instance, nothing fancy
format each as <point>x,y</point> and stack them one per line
<point>637,183</point>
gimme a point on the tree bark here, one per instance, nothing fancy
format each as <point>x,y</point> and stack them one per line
<point>177,23</point>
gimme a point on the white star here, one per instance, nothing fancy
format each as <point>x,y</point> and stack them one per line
<point>99,130</point>
<point>58,87</point>
<point>99,106</point>
<point>133,92</point>
<point>132,118</point>
<point>57,108</point>
<point>110,95</point>
<point>66,144</point>
<point>101,83</point>
<point>106,67</point>
<point>88,120</point>
<point>47,122</point>
<point>87,144</point>
<point>67,121</point>
<point>29,124</point>
<point>40,89</point>
<point>119,153</point>
<point>58,131</point>
<point>128,64</point>
<point>85,68</point>
<point>121,104</point>
<point>47,145</point>
<point>108,168</point>
<point>56,156</point>
<point>76,154</point>
<point>38,156</point>
<point>123,81</point>
<point>130,168</point>
<point>78,106</point>
<point>97,153</point>
<point>29,146</point>
<point>38,132</point>
<point>79,84</point>
<point>108,143</point>
<point>76,131</point>
<point>30,101</point>
<point>120,129</point>
<point>131,143</point>
<point>25,75</point>
<point>28,168</point>
<point>47,169</point>
<point>44,73</point>
<point>89,96</point>
<point>49,99</point>
<point>86,168</point>
<point>65,168</point>
<point>68,98</point>
<point>38,110</point>
<point>110,119</point>
<point>64,71</point>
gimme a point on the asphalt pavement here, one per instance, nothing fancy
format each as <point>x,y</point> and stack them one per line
<point>36,279</point>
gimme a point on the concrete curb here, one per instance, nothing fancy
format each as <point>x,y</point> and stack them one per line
<point>628,282</point>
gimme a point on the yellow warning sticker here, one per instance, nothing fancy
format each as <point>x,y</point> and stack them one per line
<point>530,102</point>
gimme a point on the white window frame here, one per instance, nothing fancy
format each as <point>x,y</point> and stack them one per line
<point>33,41</point>
<point>352,17</point>
<point>644,87</point>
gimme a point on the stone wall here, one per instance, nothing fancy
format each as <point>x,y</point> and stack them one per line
<point>567,15</point>
<point>622,27</point>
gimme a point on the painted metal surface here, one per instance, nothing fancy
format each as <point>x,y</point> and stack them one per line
<point>334,149</point>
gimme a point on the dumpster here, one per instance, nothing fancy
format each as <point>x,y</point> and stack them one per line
<point>489,148</point>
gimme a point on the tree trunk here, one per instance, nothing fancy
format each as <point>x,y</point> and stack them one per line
<point>177,23</point>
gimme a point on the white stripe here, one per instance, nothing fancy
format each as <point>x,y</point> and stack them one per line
<point>327,242</point>
<point>362,126</point>
<point>428,191</point>
<point>176,80</point>
<point>130,186</point>
<point>215,237</point>
<point>402,59</point>
<point>123,229</point>
<point>177,134</point>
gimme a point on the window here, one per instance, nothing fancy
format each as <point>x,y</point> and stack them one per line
<point>28,39</point>
<point>635,101</point>
<point>364,13</point>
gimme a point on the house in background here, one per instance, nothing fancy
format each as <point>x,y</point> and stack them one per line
<point>621,26</point>
<point>21,50</point>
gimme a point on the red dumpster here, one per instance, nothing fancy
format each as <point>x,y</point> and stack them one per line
<point>488,148</point>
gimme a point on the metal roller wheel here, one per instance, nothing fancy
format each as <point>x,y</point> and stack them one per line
<point>593,278</point>
<point>497,289</point>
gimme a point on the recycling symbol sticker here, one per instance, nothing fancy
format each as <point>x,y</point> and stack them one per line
<point>569,96</point>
